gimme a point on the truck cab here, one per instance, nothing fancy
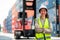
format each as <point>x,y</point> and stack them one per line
<point>25,29</point>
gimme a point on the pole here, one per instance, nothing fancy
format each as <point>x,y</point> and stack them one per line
<point>23,16</point>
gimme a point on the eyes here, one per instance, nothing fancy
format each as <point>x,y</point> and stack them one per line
<point>43,10</point>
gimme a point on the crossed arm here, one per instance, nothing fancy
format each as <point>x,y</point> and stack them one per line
<point>38,29</point>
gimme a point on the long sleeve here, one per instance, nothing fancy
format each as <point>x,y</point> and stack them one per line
<point>49,30</point>
<point>37,28</point>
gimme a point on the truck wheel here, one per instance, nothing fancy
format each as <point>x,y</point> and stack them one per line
<point>27,37</point>
<point>17,37</point>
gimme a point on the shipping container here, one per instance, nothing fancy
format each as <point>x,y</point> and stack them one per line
<point>8,22</point>
<point>58,17</point>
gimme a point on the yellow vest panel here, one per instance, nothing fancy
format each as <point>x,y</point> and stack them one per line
<point>46,26</point>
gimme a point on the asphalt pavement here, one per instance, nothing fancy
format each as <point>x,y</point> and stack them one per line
<point>8,36</point>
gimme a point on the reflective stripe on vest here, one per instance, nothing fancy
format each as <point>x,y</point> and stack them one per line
<point>46,26</point>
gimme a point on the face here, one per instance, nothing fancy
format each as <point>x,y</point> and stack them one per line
<point>43,11</point>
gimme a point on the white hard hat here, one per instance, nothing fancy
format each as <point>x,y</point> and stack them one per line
<point>43,6</point>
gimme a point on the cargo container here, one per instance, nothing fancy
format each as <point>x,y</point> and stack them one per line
<point>58,17</point>
<point>7,22</point>
<point>0,28</point>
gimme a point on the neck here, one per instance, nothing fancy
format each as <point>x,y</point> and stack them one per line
<point>43,17</point>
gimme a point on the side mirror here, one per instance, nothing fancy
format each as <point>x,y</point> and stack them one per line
<point>21,15</point>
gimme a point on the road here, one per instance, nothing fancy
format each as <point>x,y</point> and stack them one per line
<point>8,36</point>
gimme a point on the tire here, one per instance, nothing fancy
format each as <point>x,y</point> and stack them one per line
<point>27,37</point>
<point>17,37</point>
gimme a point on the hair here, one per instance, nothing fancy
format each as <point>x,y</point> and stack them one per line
<point>46,16</point>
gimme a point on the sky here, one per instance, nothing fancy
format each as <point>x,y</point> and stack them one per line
<point>5,6</point>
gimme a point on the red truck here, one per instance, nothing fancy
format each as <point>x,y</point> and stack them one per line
<point>24,26</point>
<point>26,30</point>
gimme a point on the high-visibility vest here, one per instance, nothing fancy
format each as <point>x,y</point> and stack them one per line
<point>46,26</point>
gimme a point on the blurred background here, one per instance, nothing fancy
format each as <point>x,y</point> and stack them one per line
<point>9,13</point>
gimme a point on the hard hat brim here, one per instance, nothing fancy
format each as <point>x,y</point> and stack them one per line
<point>43,8</point>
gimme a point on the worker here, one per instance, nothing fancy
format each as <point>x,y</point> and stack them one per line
<point>43,27</point>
